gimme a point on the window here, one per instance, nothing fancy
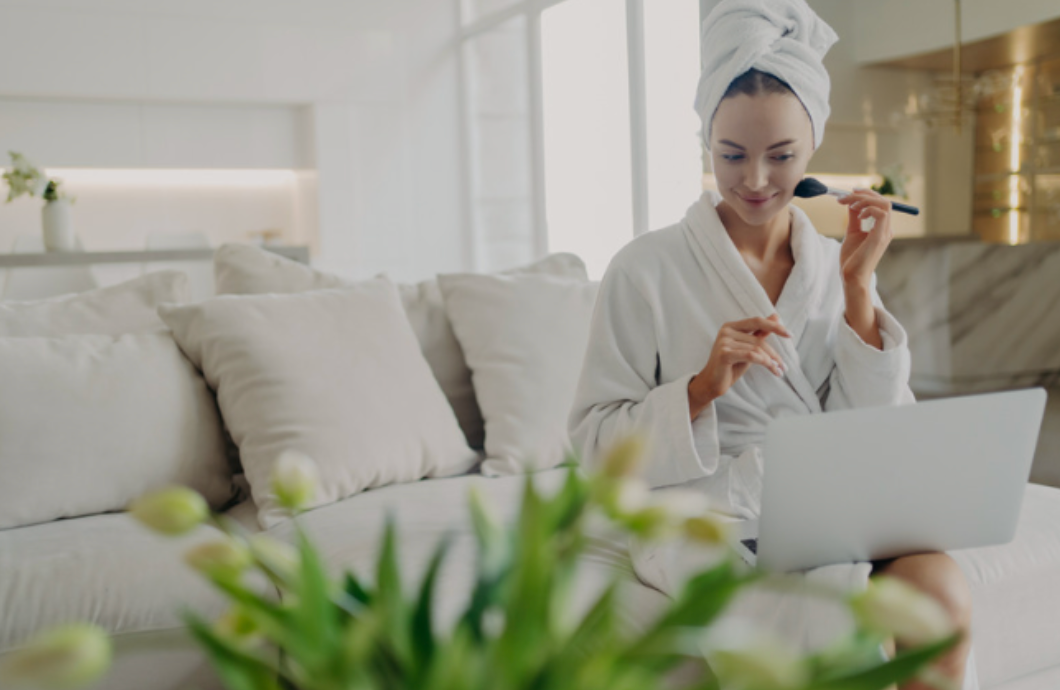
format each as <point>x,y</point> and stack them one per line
<point>580,127</point>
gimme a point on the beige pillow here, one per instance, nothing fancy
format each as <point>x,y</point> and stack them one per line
<point>335,374</point>
<point>245,269</point>
<point>524,337</point>
<point>128,307</point>
<point>90,422</point>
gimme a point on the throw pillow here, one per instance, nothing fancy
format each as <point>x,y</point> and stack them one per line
<point>245,269</point>
<point>335,374</point>
<point>128,307</point>
<point>524,337</point>
<point>90,422</point>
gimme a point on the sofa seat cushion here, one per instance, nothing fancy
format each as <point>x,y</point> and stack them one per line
<point>104,569</point>
<point>1016,594</point>
<point>349,533</point>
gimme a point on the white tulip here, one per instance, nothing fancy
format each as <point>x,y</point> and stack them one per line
<point>67,657</point>
<point>743,658</point>
<point>892,607</point>
<point>294,480</point>
<point>224,559</point>
<point>631,495</point>
<point>682,505</point>
<point>624,458</point>
<point>171,511</point>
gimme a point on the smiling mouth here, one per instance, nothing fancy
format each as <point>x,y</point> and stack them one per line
<point>756,200</point>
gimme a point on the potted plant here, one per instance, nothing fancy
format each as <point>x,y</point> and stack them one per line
<point>517,631</point>
<point>25,178</point>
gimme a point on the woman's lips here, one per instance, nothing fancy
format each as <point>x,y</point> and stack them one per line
<point>756,201</point>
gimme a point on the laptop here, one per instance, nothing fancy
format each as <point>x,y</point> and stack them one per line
<point>875,483</point>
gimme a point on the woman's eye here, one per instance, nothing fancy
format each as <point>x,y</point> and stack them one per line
<point>731,156</point>
<point>784,157</point>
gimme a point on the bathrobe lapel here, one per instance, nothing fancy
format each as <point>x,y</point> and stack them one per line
<point>716,253</point>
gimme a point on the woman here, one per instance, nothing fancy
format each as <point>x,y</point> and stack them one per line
<point>740,314</point>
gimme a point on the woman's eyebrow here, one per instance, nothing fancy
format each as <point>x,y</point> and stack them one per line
<point>774,146</point>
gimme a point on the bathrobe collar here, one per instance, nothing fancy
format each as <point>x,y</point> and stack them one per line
<point>715,252</point>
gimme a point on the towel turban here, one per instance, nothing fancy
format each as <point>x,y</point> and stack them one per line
<point>784,38</point>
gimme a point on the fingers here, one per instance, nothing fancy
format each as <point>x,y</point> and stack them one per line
<point>737,353</point>
<point>751,326</point>
<point>870,218</point>
<point>754,341</point>
<point>860,199</point>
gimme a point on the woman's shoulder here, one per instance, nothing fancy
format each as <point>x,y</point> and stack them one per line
<point>647,254</point>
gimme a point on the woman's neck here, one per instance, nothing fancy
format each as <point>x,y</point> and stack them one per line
<point>763,242</point>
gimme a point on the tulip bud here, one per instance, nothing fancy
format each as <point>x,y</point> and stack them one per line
<point>237,626</point>
<point>651,522</point>
<point>224,559</point>
<point>706,530</point>
<point>763,667</point>
<point>743,657</point>
<point>624,458</point>
<point>623,496</point>
<point>172,511</point>
<point>892,607</point>
<point>66,657</point>
<point>682,505</point>
<point>294,480</point>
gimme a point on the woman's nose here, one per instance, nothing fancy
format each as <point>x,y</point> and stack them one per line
<point>757,177</point>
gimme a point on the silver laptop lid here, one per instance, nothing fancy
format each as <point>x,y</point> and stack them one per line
<point>873,483</point>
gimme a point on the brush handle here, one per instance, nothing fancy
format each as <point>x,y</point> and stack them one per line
<point>905,208</point>
<point>895,205</point>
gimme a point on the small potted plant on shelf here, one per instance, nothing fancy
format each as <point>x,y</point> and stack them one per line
<point>520,629</point>
<point>25,178</point>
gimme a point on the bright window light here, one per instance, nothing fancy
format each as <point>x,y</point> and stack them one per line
<point>588,175</point>
<point>675,161</point>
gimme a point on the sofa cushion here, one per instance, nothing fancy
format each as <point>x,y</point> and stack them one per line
<point>348,534</point>
<point>90,422</point>
<point>128,307</point>
<point>248,270</point>
<point>105,569</point>
<point>1016,594</point>
<point>524,337</point>
<point>334,374</point>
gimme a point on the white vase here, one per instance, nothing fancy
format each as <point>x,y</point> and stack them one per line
<point>58,228</point>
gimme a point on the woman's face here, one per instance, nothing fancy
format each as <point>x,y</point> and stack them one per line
<point>760,147</point>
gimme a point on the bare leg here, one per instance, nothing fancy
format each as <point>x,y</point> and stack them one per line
<point>938,576</point>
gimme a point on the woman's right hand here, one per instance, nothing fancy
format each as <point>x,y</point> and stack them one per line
<point>739,345</point>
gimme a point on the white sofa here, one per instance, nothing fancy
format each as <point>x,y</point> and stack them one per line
<point>101,566</point>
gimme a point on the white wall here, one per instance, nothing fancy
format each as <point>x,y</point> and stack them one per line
<point>363,92</point>
<point>902,28</point>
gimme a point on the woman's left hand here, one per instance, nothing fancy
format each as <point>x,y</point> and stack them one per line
<point>862,251</point>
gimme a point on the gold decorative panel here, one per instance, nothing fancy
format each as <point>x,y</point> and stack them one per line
<point>1017,157</point>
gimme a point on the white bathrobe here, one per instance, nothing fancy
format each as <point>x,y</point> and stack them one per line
<point>661,303</point>
<point>660,306</point>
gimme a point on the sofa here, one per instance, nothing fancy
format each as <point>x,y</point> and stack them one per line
<point>406,396</point>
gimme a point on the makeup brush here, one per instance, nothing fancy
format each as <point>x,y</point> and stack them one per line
<point>811,187</point>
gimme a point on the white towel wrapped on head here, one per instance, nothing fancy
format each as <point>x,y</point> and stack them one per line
<point>784,38</point>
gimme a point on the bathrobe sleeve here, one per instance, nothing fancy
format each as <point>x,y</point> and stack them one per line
<point>864,376</point>
<point>618,394</point>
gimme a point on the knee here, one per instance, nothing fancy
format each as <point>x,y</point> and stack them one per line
<point>938,576</point>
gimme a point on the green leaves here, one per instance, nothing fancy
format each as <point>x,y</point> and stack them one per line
<point>902,667</point>
<point>524,625</point>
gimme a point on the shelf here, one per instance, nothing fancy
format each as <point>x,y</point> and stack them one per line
<point>296,253</point>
